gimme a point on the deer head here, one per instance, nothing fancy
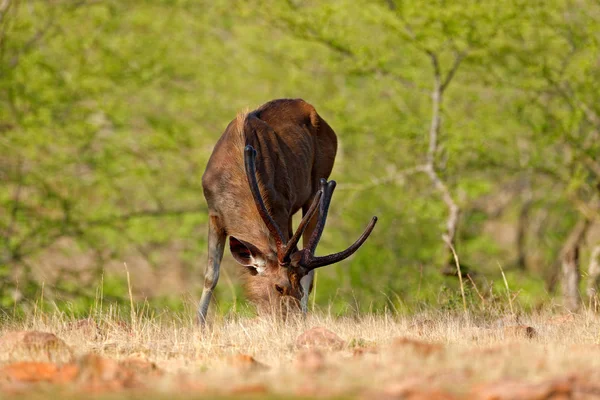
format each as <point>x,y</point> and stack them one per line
<point>276,277</point>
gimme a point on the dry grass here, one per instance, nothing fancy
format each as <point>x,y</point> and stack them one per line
<point>447,351</point>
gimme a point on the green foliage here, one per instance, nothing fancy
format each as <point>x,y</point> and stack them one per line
<point>109,111</point>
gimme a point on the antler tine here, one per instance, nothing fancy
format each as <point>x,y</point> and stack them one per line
<point>291,244</point>
<point>327,188</point>
<point>317,262</point>
<point>250,164</point>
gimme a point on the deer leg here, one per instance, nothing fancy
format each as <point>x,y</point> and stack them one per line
<point>216,245</point>
<point>307,280</point>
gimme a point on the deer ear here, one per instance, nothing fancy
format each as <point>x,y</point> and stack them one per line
<point>247,254</point>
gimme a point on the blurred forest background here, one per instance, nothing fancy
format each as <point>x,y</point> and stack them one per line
<point>469,123</point>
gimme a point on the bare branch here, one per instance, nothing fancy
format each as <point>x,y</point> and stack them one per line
<point>436,105</point>
<point>434,130</point>
<point>459,57</point>
<point>453,209</point>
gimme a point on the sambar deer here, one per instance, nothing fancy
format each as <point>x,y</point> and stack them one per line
<point>252,200</point>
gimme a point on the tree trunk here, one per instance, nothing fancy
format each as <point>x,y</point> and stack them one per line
<point>570,265</point>
<point>594,279</point>
<point>571,279</point>
<point>522,225</point>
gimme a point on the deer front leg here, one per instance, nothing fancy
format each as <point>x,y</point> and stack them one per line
<point>216,245</point>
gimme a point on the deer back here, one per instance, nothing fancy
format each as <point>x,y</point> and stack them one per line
<point>297,148</point>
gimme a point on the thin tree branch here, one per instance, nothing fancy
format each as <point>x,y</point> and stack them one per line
<point>458,59</point>
<point>434,130</point>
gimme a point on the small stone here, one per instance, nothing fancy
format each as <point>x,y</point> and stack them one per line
<point>320,337</point>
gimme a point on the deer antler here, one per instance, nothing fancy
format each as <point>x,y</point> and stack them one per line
<point>283,251</point>
<point>291,244</point>
<point>250,164</point>
<point>309,261</point>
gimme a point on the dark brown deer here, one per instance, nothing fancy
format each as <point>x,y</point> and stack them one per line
<point>267,165</point>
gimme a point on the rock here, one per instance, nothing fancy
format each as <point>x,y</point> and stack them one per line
<point>519,331</point>
<point>90,373</point>
<point>100,374</point>
<point>34,346</point>
<point>28,371</point>
<point>247,363</point>
<point>32,372</point>
<point>320,337</point>
<point>310,360</point>
<point>417,346</point>
<point>517,390</point>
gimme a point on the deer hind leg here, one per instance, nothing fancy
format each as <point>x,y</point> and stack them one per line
<point>307,280</point>
<point>216,245</point>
